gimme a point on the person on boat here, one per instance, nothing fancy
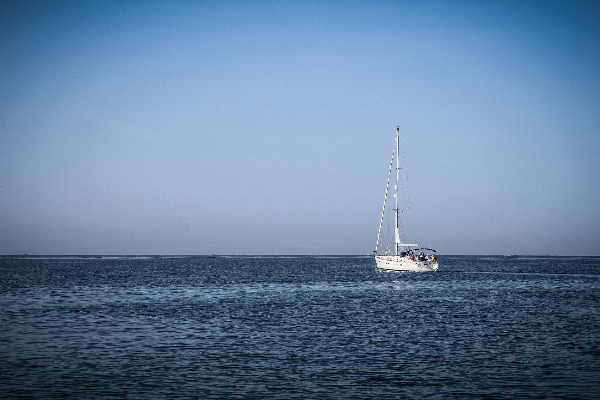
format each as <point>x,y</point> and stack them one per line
<point>421,255</point>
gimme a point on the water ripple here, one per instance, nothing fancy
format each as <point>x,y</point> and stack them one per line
<point>298,327</point>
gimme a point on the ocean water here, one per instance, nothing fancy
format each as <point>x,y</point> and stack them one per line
<point>298,327</point>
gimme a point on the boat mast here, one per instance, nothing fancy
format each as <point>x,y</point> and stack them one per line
<point>397,232</point>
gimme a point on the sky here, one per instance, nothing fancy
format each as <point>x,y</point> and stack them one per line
<point>267,127</point>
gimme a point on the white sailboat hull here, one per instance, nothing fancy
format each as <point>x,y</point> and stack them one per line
<point>405,263</point>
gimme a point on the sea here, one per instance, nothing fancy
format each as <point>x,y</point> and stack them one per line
<point>298,327</point>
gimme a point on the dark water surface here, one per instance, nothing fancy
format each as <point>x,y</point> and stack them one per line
<point>298,327</point>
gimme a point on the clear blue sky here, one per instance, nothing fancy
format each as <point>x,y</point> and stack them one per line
<point>266,127</point>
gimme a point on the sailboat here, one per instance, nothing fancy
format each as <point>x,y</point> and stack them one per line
<point>403,256</point>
